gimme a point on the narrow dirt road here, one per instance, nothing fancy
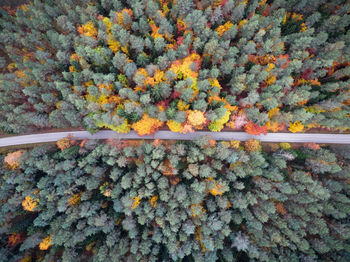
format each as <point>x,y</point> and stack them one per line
<point>242,136</point>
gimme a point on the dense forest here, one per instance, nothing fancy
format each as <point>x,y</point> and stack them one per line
<point>262,66</point>
<point>251,65</point>
<point>200,200</point>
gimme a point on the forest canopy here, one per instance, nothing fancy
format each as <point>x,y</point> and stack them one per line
<point>262,66</point>
<point>200,200</point>
<point>241,65</point>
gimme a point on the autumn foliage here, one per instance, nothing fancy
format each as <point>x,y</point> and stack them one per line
<point>14,239</point>
<point>11,159</point>
<point>65,142</point>
<point>147,125</point>
<point>46,243</point>
<point>252,145</point>
<point>254,129</point>
<point>29,203</point>
<point>143,65</point>
<point>189,65</point>
<point>148,188</point>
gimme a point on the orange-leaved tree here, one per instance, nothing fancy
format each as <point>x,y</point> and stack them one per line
<point>11,160</point>
<point>252,145</point>
<point>254,129</point>
<point>65,142</point>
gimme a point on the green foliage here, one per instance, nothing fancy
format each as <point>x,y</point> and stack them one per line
<point>66,61</point>
<point>178,201</point>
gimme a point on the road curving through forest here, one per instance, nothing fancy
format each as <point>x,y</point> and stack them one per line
<point>242,136</point>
